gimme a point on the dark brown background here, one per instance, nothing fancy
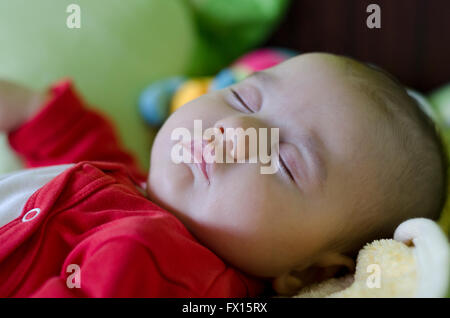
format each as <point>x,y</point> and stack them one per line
<point>413,42</point>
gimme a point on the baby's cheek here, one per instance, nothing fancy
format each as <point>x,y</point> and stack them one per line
<point>251,203</point>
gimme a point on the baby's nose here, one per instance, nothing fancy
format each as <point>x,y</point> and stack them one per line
<point>240,138</point>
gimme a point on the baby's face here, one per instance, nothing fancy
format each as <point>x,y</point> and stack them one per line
<point>267,224</point>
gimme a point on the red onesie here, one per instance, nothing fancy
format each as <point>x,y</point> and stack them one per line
<point>92,221</point>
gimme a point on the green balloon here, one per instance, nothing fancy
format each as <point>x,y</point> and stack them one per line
<point>440,99</point>
<point>123,46</point>
<point>120,47</point>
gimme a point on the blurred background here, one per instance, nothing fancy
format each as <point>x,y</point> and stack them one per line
<point>413,42</point>
<point>136,61</point>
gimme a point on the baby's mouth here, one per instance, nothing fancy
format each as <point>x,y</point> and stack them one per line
<point>196,149</point>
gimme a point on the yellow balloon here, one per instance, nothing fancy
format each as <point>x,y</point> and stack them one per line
<point>189,91</point>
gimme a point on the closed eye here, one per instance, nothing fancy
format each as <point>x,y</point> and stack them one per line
<point>241,101</point>
<point>285,168</point>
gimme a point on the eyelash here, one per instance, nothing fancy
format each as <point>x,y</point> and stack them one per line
<point>285,168</point>
<point>241,101</point>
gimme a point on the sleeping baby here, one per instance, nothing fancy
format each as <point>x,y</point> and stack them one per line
<point>356,156</point>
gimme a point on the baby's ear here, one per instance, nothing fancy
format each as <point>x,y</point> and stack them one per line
<point>324,268</point>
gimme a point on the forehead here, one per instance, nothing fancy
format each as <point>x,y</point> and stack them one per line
<point>314,95</point>
<point>318,82</point>
<point>307,79</point>
<point>315,63</point>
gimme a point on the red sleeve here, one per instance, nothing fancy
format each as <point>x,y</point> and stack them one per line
<point>65,131</point>
<point>120,268</point>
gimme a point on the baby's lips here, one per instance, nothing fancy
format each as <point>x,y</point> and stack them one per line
<point>220,151</point>
<point>195,147</point>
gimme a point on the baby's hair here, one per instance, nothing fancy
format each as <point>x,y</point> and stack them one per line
<point>414,176</point>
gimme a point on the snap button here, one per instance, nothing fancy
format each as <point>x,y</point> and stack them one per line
<point>30,215</point>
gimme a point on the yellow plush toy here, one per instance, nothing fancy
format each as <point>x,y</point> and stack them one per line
<point>415,263</point>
